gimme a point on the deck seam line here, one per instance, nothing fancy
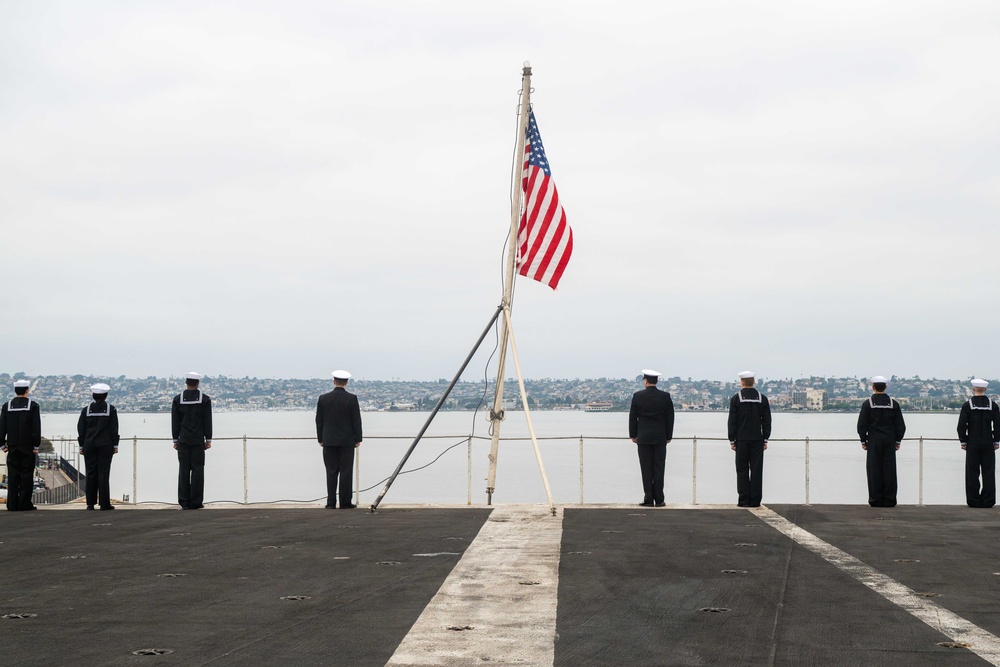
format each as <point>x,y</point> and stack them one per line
<point>983,643</point>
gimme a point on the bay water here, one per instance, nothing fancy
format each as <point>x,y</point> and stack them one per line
<point>279,469</point>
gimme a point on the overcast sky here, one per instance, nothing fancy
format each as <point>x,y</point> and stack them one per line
<point>285,188</point>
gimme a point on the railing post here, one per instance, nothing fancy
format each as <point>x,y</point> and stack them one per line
<point>694,470</point>
<point>468,475</point>
<point>135,469</point>
<point>581,469</point>
<point>920,497</point>
<point>246,488</point>
<point>357,476</point>
<point>807,470</point>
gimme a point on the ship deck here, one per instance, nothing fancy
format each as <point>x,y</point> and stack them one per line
<point>511,585</point>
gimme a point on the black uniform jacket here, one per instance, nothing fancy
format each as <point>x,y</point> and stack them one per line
<point>749,416</point>
<point>21,424</point>
<point>338,419</point>
<point>651,417</point>
<point>979,422</point>
<point>98,426</point>
<point>881,419</point>
<point>191,417</point>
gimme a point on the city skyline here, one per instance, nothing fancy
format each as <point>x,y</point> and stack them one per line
<point>152,394</point>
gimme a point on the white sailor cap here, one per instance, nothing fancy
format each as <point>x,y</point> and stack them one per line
<point>193,376</point>
<point>20,384</point>
<point>982,384</point>
<point>99,388</point>
<point>646,372</point>
<point>341,375</point>
<point>746,375</point>
<point>879,379</point>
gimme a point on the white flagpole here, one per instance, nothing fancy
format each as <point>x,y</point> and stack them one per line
<point>497,413</point>
<point>527,411</point>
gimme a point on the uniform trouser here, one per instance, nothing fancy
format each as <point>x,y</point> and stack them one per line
<point>749,472</point>
<point>191,478</point>
<point>881,473</point>
<point>980,459</point>
<point>339,462</point>
<point>20,485</point>
<point>652,463</point>
<point>98,460</point>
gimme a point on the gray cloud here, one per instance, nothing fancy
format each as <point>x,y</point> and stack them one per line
<point>276,189</point>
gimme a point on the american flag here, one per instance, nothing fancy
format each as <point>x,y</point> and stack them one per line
<point>545,241</point>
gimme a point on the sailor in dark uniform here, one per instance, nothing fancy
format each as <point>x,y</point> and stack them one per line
<point>98,437</point>
<point>881,429</point>
<point>651,427</point>
<point>338,429</point>
<point>979,433</point>
<point>191,422</point>
<point>20,438</point>
<point>749,431</point>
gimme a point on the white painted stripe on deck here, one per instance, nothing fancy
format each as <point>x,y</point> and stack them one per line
<point>984,644</point>
<point>512,623</point>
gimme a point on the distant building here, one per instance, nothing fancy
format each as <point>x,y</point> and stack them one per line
<point>810,399</point>
<point>599,406</point>
<point>815,399</point>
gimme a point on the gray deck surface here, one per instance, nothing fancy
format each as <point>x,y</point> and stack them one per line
<point>631,584</point>
<point>227,610</point>
<point>634,599</point>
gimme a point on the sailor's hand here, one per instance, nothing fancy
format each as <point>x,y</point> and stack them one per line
<point>765,444</point>
<point>356,445</point>
<point>116,451</point>
<point>175,445</point>
<point>864,446</point>
<point>996,445</point>
<point>898,445</point>
<point>208,444</point>
<point>732,445</point>
<point>633,440</point>
<point>5,449</point>
<point>81,451</point>
<point>964,446</point>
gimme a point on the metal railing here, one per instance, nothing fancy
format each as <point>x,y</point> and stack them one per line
<point>579,440</point>
<point>65,493</point>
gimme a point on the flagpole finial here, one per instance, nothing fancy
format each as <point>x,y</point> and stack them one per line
<point>527,69</point>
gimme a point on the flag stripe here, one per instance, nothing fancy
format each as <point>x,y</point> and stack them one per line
<point>544,239</point>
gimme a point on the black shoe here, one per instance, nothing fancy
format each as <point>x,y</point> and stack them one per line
<point>645,504</point>
<point>329,507</point>
<point>348,507</point>
<point>109,507</point>
<point>90,507</point>
<point>661,504</point>
<point>197,507</point>
<point>185,507</point>
<point>28,509</point>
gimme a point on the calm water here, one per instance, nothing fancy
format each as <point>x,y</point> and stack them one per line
<point>293,470</point>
